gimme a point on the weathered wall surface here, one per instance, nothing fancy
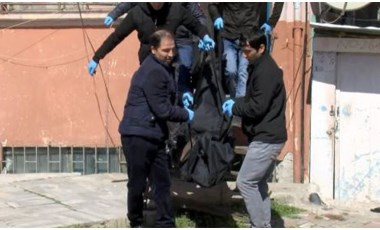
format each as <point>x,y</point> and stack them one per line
<point>47,96</point>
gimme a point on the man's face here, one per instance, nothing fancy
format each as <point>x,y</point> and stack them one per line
<point>156,5</point>
<point>166,51</point>
<point>252,54</point>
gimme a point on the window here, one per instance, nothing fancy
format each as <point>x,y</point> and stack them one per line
<point>84,160</point>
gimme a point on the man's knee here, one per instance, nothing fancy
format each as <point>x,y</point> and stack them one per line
<point>245,184</point>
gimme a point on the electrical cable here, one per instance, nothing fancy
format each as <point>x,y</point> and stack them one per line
<point>41,66</point>
<point>94,82</point>
<point>303,55</point>
<point>31,45</point>
<point>100,67</point>
<point>19,24</point>
<point>339,17</point>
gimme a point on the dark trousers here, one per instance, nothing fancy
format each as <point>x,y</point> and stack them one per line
<point>146,157</point>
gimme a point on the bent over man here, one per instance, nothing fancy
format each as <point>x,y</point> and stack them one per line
<point>144,129</point>
<point>262,110</point>
<point>146,18</point>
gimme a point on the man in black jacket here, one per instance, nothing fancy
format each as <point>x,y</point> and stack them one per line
<point>235,18</point>
<point>262,111</point>
<point>184,39</point>
<point>143,129</point>
<point>147,18</point>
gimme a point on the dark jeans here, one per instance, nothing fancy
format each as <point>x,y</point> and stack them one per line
<point>146,157</point>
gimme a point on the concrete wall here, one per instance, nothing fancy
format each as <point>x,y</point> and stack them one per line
<point>47,96</point>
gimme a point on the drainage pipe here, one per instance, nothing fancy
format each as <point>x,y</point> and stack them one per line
<point>296,92</point>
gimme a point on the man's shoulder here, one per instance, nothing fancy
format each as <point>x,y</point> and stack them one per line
<point>150,64</point>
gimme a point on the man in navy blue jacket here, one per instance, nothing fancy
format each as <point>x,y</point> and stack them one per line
<point>144,129</point>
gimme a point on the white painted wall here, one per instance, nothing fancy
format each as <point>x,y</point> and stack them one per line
<point>322,143</point>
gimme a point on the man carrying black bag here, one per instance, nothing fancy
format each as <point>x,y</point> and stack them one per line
<point>262,110</point>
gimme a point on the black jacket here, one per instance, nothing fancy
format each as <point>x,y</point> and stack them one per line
<point>146,20</point>
<point>263,107</point>
<point>239,17</point>
<point>182,34</point>
<point>150,102</point>
<point>121,9</point>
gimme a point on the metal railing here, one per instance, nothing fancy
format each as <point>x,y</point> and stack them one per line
<point>55,7</point>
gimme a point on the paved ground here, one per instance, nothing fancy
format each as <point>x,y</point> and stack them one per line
<point>59,200</point>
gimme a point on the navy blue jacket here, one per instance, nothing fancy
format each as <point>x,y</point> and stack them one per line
<point>150,102</point>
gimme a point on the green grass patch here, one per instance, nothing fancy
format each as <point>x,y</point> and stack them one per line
<point>196,219</point>
<point>281,209</point>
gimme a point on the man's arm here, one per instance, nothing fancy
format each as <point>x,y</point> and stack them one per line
<point>156,91</point>
<point>214,11</point>
<point>196,10</point>
<point>121,9</point>
<point>122,31</point>
<point>192,24</point>
<point>276,13</point>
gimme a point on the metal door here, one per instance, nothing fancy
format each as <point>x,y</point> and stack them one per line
<point>357,143</point>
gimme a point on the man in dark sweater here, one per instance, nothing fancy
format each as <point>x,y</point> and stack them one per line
<point>143,129</point>
<point>262,111</point>
<point>184,39</point>
<point>234,19</point>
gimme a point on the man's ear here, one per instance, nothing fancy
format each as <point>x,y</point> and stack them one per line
<point>152,50</point>
<point>262,49</point>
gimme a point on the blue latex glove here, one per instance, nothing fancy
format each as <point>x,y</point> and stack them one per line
<point>227,107</point>
<point>91,66</point>
<point>266,28</point>
<point>187,99</point>
<point>218,23</point>
<point>201,44</point>
<point>108,21</point>
<point>208,43</point>
<point>191,115</point>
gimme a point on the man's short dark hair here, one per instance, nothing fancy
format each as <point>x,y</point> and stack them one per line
<point>254,38</point>
<point>156,38</point>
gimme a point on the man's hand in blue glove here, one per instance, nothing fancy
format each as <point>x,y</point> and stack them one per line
<point>227,107</point>
<point>91,66</point>
<point>208,43</point>
<point>266,28</point>
<point>187,99</point>
<point>201,44</point>
<point>218,23</point>
<point>108,21</point>
<point>191,115</point>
